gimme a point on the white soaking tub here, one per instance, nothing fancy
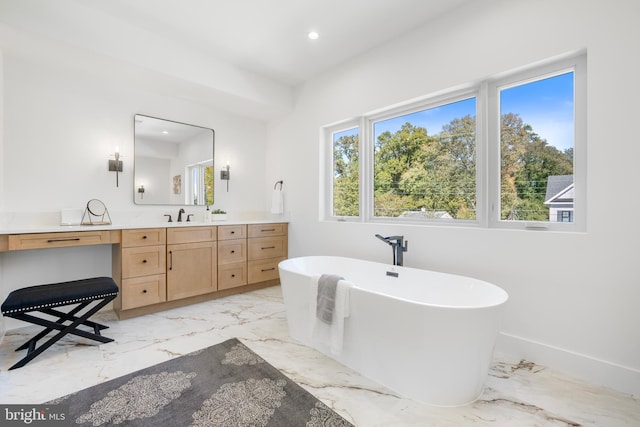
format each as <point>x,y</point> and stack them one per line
<point>428,336</point>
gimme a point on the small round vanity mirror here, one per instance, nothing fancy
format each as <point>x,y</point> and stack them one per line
<point>95,213</point>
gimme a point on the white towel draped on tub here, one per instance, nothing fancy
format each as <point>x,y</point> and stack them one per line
<point>323,331</point>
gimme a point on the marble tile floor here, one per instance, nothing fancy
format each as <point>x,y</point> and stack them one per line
<point>518,393</point>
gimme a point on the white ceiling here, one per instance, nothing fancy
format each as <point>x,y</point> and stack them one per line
<point>269,36</point>
<point>216,45</point>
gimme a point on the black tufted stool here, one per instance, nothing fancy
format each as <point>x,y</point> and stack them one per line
<point>44,298</point>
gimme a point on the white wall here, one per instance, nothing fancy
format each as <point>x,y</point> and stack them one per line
<point>60,127</point>
<point>573,297</point>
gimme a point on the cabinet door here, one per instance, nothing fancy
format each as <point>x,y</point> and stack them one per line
<point>191,269</point>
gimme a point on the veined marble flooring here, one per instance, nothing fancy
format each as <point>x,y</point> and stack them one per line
<point>517,393</point>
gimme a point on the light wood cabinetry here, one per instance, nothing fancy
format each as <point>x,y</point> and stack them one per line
<point>159,268</point>
<point>162,268</point>
<point>267,246</point>
<point>19,242</point>
<point>232,256</point>
<point>140,267</point>
<point>191,262</point>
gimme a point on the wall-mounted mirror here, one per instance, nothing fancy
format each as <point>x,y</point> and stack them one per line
<point>173,163</point>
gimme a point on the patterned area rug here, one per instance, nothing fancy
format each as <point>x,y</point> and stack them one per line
<point>223,385</point>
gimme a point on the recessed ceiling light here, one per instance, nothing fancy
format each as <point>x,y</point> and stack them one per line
<point>313,35</point>
<point>165,132</point>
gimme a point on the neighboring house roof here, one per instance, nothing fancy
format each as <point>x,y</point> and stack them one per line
<point>559,189</point>
<point>423,213</point>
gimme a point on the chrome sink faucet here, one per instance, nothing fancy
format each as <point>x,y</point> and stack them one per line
<point>180,212</point>
<point>397,246</point>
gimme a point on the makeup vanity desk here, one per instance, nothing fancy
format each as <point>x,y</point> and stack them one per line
<point>172,265</point>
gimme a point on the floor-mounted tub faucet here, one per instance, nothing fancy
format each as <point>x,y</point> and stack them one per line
<point>397,246</point>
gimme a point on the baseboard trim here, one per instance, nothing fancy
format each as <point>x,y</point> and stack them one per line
<point>592,370</point>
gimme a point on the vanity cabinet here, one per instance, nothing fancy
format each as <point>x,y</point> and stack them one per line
<point>232,256</point>
<point>141,264</point>
<point>164,267</point>
<point>267,246</point>
<point>191,262</point>
<point>160,268</point>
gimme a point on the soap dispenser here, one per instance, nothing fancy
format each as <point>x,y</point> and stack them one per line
<point>207,215</point>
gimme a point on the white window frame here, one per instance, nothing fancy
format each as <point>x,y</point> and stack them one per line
<point>368,147</point>
<point>194,185</point>
<point>577,64</point>
<point>487,150</point>
<point>327,167</point>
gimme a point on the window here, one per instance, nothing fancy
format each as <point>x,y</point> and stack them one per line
<point>425,163</point>
<point>565,216</point>
<point>508,152</point>
<point>198,188</point>
<point>536,142</point>
<point>346,173</point>
<point>541,146</point>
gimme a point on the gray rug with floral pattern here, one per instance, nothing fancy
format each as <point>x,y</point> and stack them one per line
<point>223,385</point>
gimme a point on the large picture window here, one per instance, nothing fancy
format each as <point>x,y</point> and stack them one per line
<point>425,163</point>
<point>507,152</point>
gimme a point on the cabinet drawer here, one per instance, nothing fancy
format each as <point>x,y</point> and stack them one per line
<point>190,235</point>
<point>143,261</point>
<point>266,230</point>
<point>143,237</point>
<point>230,232</point>
<point>260,271</point>
<point>267,247</point>
<point>142,291</point>
<point>232,275</point>
<point>232,251</point>
<point>19,242</point>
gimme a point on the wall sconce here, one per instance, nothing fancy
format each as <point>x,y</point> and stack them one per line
<point>225,175</point>
<point>141,191</point>
<point>116,165</point>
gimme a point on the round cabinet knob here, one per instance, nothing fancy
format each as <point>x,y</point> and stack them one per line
<point>233,275</point>
<point>233,251</point>
<point>144,261</point>
<point>144,237</point>
<point>144,291</point>
<point>233,232</point>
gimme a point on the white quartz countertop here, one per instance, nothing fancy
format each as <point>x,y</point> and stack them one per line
<point>52,228</point>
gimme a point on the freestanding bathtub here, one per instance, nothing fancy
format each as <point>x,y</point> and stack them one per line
<point>425,335</point>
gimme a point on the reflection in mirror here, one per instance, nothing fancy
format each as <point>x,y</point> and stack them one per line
<point>173,163</point>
